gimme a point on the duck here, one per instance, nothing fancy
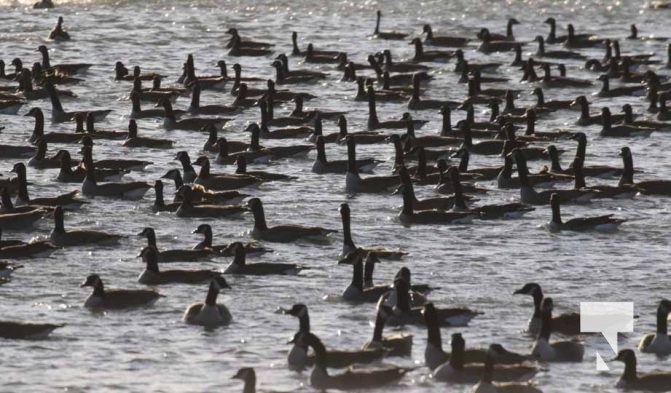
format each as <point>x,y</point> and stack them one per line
<point>226,158</point>
<point>58,34</point>
<point>68,175</point>
<point>153,276</point>
<point>399,344</point>
<point>455,370</point>
<point>449,41</point>
<point>225,250</point>
<point>552,105</point>
<point>629,120</point>
<point>566,323</point>
<point>209,314</point>
<point>220,181</point>
<point>116,299</point>
<point>200,193</point>
<point>188,124</point>
<point>188,209</point>
<point>281,233</point>
<point>133,140</point>
<point>241,267</point>
<point>386,35</point>
<point>648,187</point>
<point>487,385</point>
<point>23,330</point>
<point>196,109</point>
<point>58,115</point>
<point>559,54</point>
<point>298,357</point>
<point>77,237</point>
<point>558,351</point>
<point>631,379</point>
<point>408,216</point>
<point>241,169</point>
<point>67,200</point>
<point>348,244</point>
<point>352,379</point>
<point>623,130</point>
<point>354,183</point>
<point>68,69</point>
<point>605,223</point>
<point>606,91</point>
<point>532,197</point>
<point>176,255</point>
<point>659,342</point>
<point>132,190</point>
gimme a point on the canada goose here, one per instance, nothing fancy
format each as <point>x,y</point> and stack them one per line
<point>602,191</point>
<point>356,291</point>
<point>58,115</point>
<point>549,105</point>
<point>275,152</point>
<point>122,74</point>
<point>21,220</point>
<point>351,379</point>
<point>348,243</point>
<point>15,330</point>
<point>133,140</point>
<point>238,49</point>
<point>224,157</point>
<point>624,130</point>
<point>448,41</point>
<point>200,193</point>
<point>629,120</point>
<point>549,81</point>
<point>281,233</point>
<point>650,187</point>
<point>445,185</point>
<point>505,180</point>
<point>408,216</point>
<point>233,32</point>
<point>240,265</point>
<point>209,314</point>
<point>386,35</point>
<point>176,255</point>
<point>372,184</point>
<point>66,200</point>
<point>248,376</point>
<point>132,190</point>
<point>659,342</point>
<point>439,203</point>
<point>16,249</point>
<point>321,165</point>
<point>220,181</point>
<point>428,140</point>
<point>456,371</point>
<point>303,72</point>
<point>567,323</point>
<point>241,169</point>
<point>374,123</point>
<point>68,175</point>
<point>226,250</point>
<point>77,237</point>
<point>110,163</point>
<point>188,124</point>
<point>151,275</point>
<point>61,68</point>
<point>51,137</point>
<point>487,385</point>
<point>574,40</point>
<point>605,223</point>
<point>607,91</point>
<point>41,161</point>
<point>196,109</point>
<point>399,344</point>
<point>114,299</point>
<point>631,379</point>
<point>558,351</point>
<point>558,54</point>
<point>490,44</point>
<point>188,209</point>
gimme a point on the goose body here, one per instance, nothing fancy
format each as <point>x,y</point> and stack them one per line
<point>240,265</point>
<point>557,351</point>
<point>567,323</point>
<point>605,223</point>
<point>77,237</point>
<point>281,233</point>
<point>115,299</point>
<point>348,244</point>
<point>209,313</point>
<point>659,342</point>
<point>632,380</point>
<point>19,330</point>
<point>373,184</point>
<point>153,276</point>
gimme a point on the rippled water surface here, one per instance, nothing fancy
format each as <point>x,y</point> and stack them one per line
<point>478,265</point>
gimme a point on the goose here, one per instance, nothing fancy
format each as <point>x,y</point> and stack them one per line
<point>224,249</point>
<point>241,267</point>
<point>10,106</point>
<point>372,184</point>
<point>505,180</point>
<point>449,41</point>
<point>348,244</point>
<point>445,186</point>
<point>406,66</point>
<point>469,67</point>
<point>188,209</point>
<point>602,191</point>
<point>456,371</point>
<point>659,342</point>
<point>159,202</point>
<point>209,314</point>
<point>188,124</point>
<point>68,175</point>
<point>226,158</point>
<point>282,133</point>
<point>282,79</point>
<point>241,169</point>
<point>629,120</point>
<point>490,44</point>
<point>649,187</point>
<point>438,203</point>
<point>92,132</point>
<point>275,152</point>
<point>13,151</point>
<point>567,323</point>
<point>610,130</point>
<point>196,109</point>
<point>237,49</point>
<point>216,82</point>
<point>574,40</point>
<point>408,216</point>
<point>606,91</point>
<point>21,220</point>
<point>399,344</point>
<point>302,72</point>
<point>51,137</point>
<point>319,131</point>
<point>429,56</point>
<point>200,193</point>
<point>398,80</point>
<point>356,292</point>
<point>552,37</point>
<point>487,385</point>
<point>605,223</point>
<point>360,137</point>
<point>77,237</point>
<point>281,233</point>
<point>245,42</point>
<point>550,81</point>
<point>152,95</point>
<point>116,299</point>
<point>558,351</point>
<point>312,114</point>
<point>153,276</point>
<point>122,74</point>
<point>558,54</point>
<point>585,119</point>
<point>530,196</point>
<point>298,357</point>
<point>188,170</point>
<point>634,35</point>
<point>213,137</point>
<point>219,181</point>
<point>416,103</point>
<point>549,105</point>
<point>58,115</point>
<point>20,330</point>
<point>248,376</point>
<point>138,113</point>
<point>352,379</point>
<point>386,35</point>
<point>484,147</point>
<point>483,173</point>
<point>58,34</point>
<point>67,200</point>
<point>530,133</point>
<point>663,113</point>
<point>320,56</point>
<point>91,188</point>
<point>41,161</point>
<point>28,92</point>
<point>133,140</point>
<point>581,151</point>
<point>176,255</point>
<point>68,69</point>
<point>9,208</point>
<point>631,379</point>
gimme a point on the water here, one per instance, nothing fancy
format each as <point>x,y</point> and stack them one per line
<point>478,265</point>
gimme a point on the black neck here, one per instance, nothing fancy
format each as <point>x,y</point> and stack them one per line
<point>347,234</point>
<point>259,218</point>
<point>357,275</point>
<point>59,226</point>
<point>662,314</point>
<point>99,289</point>
<point>556,211</point>
<point>446,128</point>
<point>379,328</point>
<point>195,97</point>
<point>211,299</point>
<point>628,172</point>
<point>546,325</point>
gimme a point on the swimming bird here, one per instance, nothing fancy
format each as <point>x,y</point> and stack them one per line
<point>69,69</point>
<point>66,200</point>
<point>599,223</point>
<point>151,275</point>
<point>240,266</point>
<point>629,120</point>
<point>77,237</point>
<point>116,299</point>
<point>321,165</point>
<point>631,379</point>
<point>557,351</point>
<point>348,243</point>
<point>659,342</point>
<point>449,41</point>
<point>241,169</point>
<point>68,175</point>
<point>551,104</point>
<point>487,385</point>
<point>132,190</point>
<point>133,140</point>
<point>209,314</point>
<point>200,193</point>
<point>20,330</point>
<point>224,157</point>
<point>360,137</point>
<point>221,181</point>
<point>607,91</point>
<point>196,109</point>
<point>408,216</point>
<point>601,191</point>
<point>58,115</point>
<point>40,159</point>
<point>275,152</point>
<point>386,35</point>
<point>623,130</point>
<point>281,233</point>
<point>238,49</point>
<point>399,344</point>
<point>58,34</point>
<point>372,184</point>
<point>566,323</point>
<point>176,255</point>
<point>650,187</point>
<point>188,209</point>
<point>170,122</point>
<point>559,54</point>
